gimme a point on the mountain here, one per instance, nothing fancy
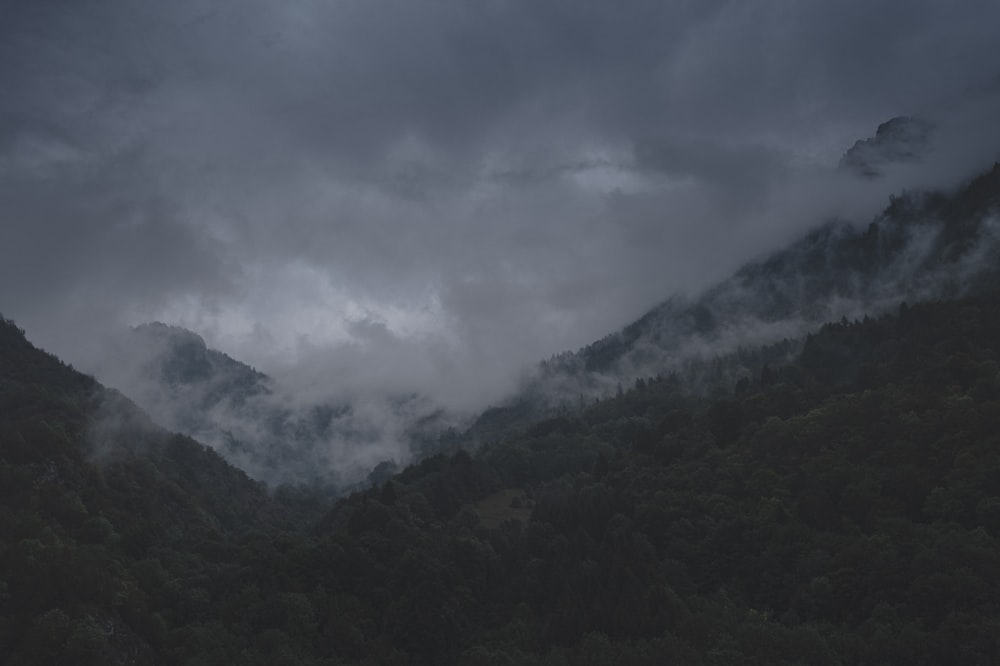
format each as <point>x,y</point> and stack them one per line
<point>899,140</point>
<point>261,426</point>
<point>924,245</point>
<point>92,488</point>
<point>794,467</point>
<point>179,358</point>
<point>841,507</point>
<point>817,512</point>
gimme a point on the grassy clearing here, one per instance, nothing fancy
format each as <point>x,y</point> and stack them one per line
<point>503,505</point>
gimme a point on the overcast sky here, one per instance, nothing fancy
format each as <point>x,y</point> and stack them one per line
<point>434,194</point>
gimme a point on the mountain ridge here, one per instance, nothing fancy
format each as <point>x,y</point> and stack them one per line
<point>864,268</point>
<point>842,507</point>
<point>923,245</point>
<point>899,140</point>
<point>261,426</point>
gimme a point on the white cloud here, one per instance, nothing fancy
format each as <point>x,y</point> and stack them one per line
<point>432,195</point>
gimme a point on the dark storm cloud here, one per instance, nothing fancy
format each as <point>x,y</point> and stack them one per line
<point>471,185</point>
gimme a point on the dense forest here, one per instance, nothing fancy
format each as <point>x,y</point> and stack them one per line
<point>561,333</point>
<point>843,507</point>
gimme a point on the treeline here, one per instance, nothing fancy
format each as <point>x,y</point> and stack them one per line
<point>840,508</point>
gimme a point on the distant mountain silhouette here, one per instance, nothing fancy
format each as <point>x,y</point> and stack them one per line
<point>899,140</point>
<point>261,426</point>
<point>924,245</point>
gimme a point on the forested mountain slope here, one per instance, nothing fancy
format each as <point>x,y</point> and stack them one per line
<point>839,508</point>
<point>924,245</point>
<point>258,424</point>
<point>898,140</point>
<point>96,499</point>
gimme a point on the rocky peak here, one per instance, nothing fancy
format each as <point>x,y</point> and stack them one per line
<point>899,140</point>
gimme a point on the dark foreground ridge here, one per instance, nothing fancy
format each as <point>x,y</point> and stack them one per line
<point>843,508</point>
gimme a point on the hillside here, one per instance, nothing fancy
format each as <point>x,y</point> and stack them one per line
<point>924,245</point>
<point>96,499</point>
<point>258,424</point>
<point>898,140</point>
<point>726,481</point>
<point>840,508</point>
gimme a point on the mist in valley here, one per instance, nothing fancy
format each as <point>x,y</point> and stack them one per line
<point>395,211</point>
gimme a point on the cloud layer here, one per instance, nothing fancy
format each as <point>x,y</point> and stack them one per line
<point>428,196</point>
